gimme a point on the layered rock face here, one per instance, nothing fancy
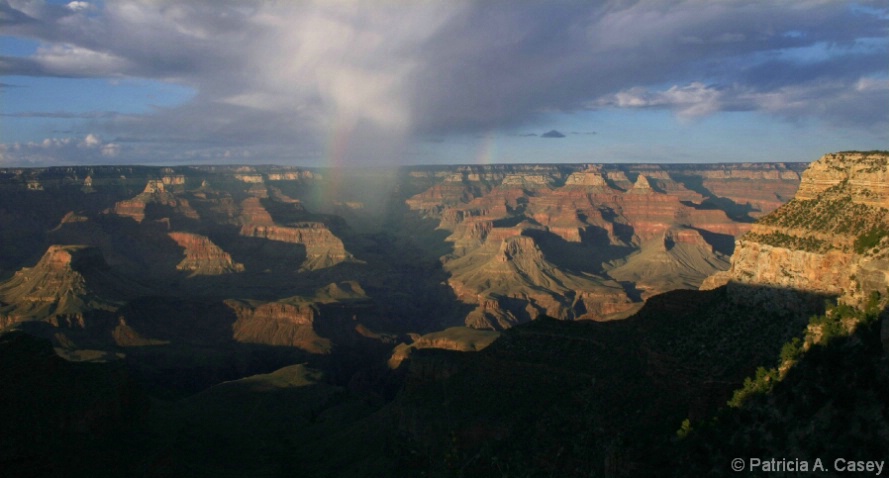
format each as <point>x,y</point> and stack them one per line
<point>832,238</point>
<point>323,248</point>
<point>66,285</point>
<point>277,324</point>
<point>156,193</point>
<point>862,176</point>
<point>568,241</point>
<point>202,257</point>
<point>679,258</point>
<point>515,283</point>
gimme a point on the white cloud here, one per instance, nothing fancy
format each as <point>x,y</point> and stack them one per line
<point>91,141</point>
<point>50,151</point>
<point>110,150</point>
<point>838,101</point>
<point>66,59</point>
<point>689,101</point>
<point>78,6</point>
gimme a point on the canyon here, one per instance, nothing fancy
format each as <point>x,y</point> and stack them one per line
<point>523,241</point>
<point>554,317</point>
<point>494,246</point>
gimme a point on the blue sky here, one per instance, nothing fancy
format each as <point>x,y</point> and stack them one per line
<point>390,82</point>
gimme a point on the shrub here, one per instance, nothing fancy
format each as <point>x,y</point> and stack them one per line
<point>870,239</point>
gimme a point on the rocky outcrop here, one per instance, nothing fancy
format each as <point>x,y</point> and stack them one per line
<point>863,177</point>
<point>323,248</point>
<point>679,259</point>
<point>202,256</point>
<point>174,180</point>
<point>531,181</point>
<point>511,282</point>
<point>589,178</point>
<point>155,193</point>
<point>64,288</point>
<point>292,176</point>
<point>277,324</point>
<point>461,339</point>
<point>832,239</point>
<point>250,178</point>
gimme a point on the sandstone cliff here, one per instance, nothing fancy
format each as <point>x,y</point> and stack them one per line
<point>832,238</point>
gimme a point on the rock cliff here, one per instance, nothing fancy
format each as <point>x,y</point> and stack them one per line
<point>323,248</point>
<point>202,256</point>
<point>511,281</point>
<point>64,288</point>
<point>832,238</point>
<point>156,193</point>
<point>277,324</point>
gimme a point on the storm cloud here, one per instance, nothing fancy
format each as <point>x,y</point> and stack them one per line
<point>285,80</point>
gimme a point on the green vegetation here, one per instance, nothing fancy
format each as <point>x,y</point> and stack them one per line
<point>868,153</point>
<point>780,239</point>
<point>823,214</point>
<point>870,239</point>
<point>825,399</point>
<point>827,215</point>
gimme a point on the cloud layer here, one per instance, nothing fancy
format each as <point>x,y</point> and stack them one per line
<point>287,79</point>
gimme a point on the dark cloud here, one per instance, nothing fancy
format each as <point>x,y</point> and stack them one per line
<point>296,77</point>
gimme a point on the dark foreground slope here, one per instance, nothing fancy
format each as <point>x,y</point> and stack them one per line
<point>646,396</point>
<point>824,400</point>
<point>59,418</point>
<point>555,398</point>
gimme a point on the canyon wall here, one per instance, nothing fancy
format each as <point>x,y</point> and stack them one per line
<point>831,239</point>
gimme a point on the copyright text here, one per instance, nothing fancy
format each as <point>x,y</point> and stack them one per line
<point>840,465</point>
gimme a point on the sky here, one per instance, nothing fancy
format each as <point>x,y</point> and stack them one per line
<point>392,82</point>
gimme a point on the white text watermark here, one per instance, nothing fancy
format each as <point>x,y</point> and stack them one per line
<point>839,465</point>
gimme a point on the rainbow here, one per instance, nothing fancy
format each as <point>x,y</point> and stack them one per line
<point>487,149</point>
<point>334,160</point>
